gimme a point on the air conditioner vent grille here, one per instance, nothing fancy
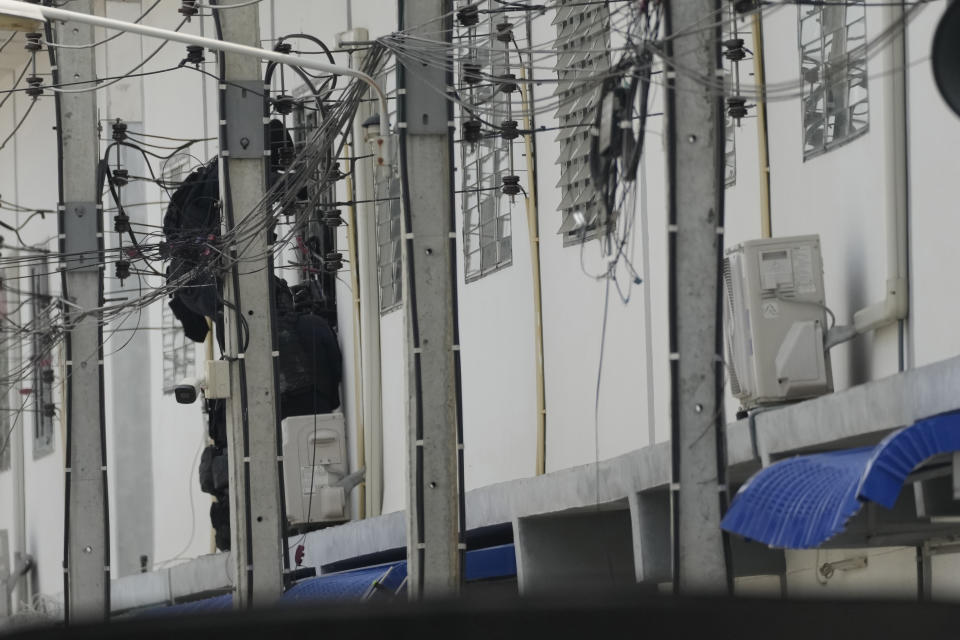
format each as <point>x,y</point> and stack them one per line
<point>735,388</point>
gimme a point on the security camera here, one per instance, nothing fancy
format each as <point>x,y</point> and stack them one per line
<point>187,391</point>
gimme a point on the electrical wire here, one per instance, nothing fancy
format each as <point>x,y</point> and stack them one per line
<point>16,83</point>
<point>3,46</point>
<point>105,40</point>
<point>19,124</point>
<point>128,74</point>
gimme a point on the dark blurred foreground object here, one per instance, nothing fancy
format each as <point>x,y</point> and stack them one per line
<point>583,615</point>
<point>946,56</point>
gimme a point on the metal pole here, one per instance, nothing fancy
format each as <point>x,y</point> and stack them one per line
<point>435,512</point>
<point>695,161</point>
<point>257,523</point>
<point>86,530</point>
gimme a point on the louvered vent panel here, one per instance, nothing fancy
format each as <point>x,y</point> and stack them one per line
<point>582,43</point>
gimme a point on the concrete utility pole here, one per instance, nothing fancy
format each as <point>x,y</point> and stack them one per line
<point>695,161</point>
<point>257,527</point>
<point>87,565</point>
<point>434,513</point>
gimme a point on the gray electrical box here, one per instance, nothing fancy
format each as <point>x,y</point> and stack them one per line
<point>775,321</point>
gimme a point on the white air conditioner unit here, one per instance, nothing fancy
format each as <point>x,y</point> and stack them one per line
<point>775,321</point>
<point>314,470</point>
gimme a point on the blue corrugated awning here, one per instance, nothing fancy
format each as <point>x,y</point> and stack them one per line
<point>206,605</point>
<point>491,563</point>
<point>802,502</point>
<point>358,584</point>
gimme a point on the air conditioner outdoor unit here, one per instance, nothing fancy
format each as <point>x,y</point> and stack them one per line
<point>775,321</point>
<point>315,479</point>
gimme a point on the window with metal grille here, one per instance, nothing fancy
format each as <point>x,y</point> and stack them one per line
<point>304,116</point>
<point>175,171</point>
<point>389,257</point>
<point>583,38</point>
<point>485,160</point>
<point>730,152</point>
<point>387,208</point>
<point>43,372</point>
<point>179,353</point>
<point>314,201</point>
<point>833,65</point>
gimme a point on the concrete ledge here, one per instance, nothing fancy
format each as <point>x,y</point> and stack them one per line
<point>357,538</point>
<point>572,488</point>
<point>208,574</point>
<point>504,502</point>
<point>860,415</point>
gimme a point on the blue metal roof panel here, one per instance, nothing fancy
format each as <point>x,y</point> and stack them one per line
<point>802,502</point>
<point>206,605</point>
<point>900,453</point>
<point>358,584</point>
<point>492,562</point>
<point>348,585</point>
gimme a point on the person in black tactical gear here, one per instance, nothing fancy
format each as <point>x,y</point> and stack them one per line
<point>309,363</point>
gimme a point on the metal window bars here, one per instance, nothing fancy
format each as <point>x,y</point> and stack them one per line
<point>833,65</point>
<point>387,209</point>
<point>179,354</point>
<point>487,236</point>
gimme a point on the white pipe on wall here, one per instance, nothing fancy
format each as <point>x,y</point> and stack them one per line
<point>11,10</point>
<point>369,295</point>
<point>356,314</point>
<point>370,334</point>
<point>895,305</point>
<point>17,454</point>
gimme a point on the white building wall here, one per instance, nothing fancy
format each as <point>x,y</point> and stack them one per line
<point>573,306</point>
<point>173,106</point>
<point>890,572</point>
<point>944,570</point>
<point>838,195</point>
<point>934,132</point>
<point>36,188</point>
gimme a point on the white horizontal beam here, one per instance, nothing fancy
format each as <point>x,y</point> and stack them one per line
<point>15,10</point>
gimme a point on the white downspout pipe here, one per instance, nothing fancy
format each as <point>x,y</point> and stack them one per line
<point>369,295</point>
<point>17,452</point>
<point>18,460</point>
<point>895,305</point>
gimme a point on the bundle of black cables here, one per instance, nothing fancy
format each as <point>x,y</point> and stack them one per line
<point>614,148</point>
